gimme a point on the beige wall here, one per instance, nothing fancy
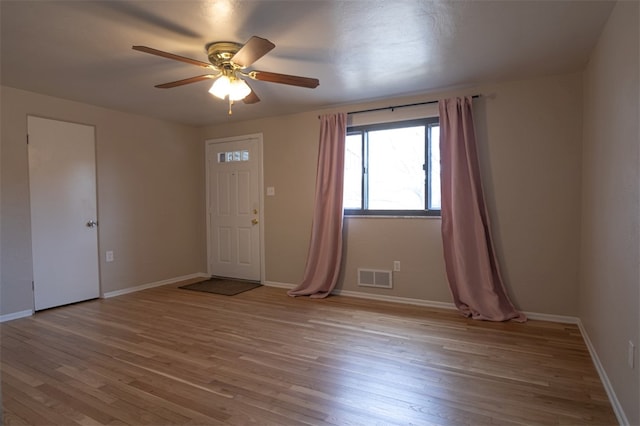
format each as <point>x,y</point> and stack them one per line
<point>610,281</point>
<point>529,134</point>
<point>150,196</point>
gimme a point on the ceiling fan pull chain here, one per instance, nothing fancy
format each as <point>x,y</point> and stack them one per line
<point>230,104</point>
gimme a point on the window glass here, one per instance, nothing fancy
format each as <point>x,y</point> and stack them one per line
<point>434,168</point>
<point>396,175</point>
<point>227,157</point>
<point>353,171</point>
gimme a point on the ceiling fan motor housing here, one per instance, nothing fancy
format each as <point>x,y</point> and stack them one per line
<point>221,52</point>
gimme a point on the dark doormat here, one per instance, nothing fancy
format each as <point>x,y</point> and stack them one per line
<point>225,286</point>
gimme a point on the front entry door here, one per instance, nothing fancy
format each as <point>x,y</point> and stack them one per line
<point>62,184</point>
<point>233,207</point>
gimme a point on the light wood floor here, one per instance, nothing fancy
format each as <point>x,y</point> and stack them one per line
<point>173,356</point>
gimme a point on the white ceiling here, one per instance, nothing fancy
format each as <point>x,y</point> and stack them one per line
<point>359,50</point>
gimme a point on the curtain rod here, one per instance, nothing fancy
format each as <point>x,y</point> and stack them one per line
<point>400,106</point>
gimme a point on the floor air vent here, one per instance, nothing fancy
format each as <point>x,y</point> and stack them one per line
<point>375,278</point>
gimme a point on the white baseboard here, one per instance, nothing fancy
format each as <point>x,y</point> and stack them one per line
<point>448,305</point>
<point>370,296</point>
<point>563,319</point>
<point>16,315</point>
<point>153,284</point>
<point>617,408</point>
<point>427,303</point>
<point>395,299</point>
<point>277,284</point>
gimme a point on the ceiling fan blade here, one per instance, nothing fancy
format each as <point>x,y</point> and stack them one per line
<point>292,80</point>
<point>252,50</point>
<point>251,98</point>
<point>167,55</point>
<point>186,81</point>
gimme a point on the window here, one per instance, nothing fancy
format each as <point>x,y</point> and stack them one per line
<point>227,157</point>
<point>393,169</point>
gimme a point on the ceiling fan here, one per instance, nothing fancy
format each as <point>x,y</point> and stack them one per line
<point>228,61</point>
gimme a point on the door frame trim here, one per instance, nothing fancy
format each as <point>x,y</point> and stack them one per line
<point>258,137</point>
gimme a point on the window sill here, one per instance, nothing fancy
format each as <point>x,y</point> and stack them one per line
<point>385,216</point>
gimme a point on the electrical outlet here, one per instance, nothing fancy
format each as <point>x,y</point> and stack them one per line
<point>109,256</point>
<point>631,354</point>
<point>396,266</point>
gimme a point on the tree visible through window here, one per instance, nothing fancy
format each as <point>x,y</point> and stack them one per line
<point>393,169</point>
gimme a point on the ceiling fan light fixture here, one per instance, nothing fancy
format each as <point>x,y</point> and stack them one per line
<point>233,87</point>
<point>238,89</point>
<point>220,87</point>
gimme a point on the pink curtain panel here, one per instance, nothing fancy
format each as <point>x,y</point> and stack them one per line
<point>470,259</point>
<point>325,250</point>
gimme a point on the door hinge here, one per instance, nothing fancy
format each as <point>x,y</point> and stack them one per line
<point>27,139</point>
<point>33,286</point>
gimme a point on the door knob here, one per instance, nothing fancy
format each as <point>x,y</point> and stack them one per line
<point>92,224</point>
<point>254,221</point>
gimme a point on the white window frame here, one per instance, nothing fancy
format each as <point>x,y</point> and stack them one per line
<point>363,129</point>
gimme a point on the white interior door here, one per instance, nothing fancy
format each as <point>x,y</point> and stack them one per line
<point>234,210</point>
<point>62,183</point>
